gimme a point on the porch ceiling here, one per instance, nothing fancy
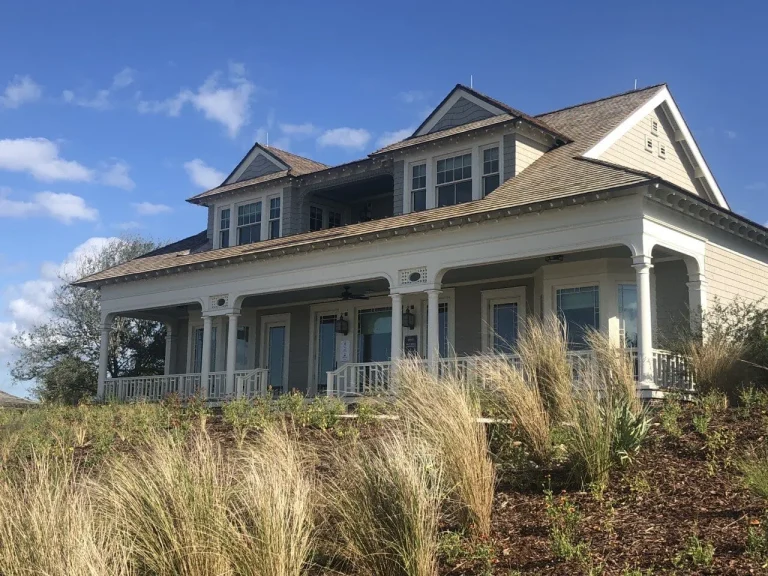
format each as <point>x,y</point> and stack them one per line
<point>358,190</point>
<point>526,266</point>
<point>320,293</point>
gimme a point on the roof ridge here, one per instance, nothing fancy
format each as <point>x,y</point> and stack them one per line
<point>595,101</point>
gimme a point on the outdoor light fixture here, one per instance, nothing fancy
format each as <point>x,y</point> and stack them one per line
<point>409,318</point>
<point>342,325</point>
<point>555,258</point>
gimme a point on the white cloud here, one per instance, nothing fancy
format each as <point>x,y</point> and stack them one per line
<point>391,137</point>
<point>351,138</point>
<point>7,331</point>
<point>203,175</point>
<point>298,130</point>
<point>39,157</point>
<point>411,96</point>
<point>117,175</point>
<point>149,209</point>
<point>230,105</point>
<point>101,99</point>
<point>65,208</point>
<point>20,90</point>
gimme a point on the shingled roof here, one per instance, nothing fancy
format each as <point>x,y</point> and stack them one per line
<point>558,174</point>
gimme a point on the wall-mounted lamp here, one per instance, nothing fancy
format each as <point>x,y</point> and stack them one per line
<point>409,318</point>
<point>342,325</point>
<point>554,258</point>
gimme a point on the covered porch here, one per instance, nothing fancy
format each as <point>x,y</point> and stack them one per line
<point>341,339</point>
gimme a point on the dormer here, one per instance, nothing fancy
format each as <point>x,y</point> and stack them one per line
<point>466,148</point>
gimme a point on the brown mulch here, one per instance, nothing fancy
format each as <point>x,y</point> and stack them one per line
<point>648,513</point>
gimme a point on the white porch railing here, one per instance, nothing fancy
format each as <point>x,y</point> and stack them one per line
<point>251,384</point>
<point>152,388</point>
<point>361,378</point>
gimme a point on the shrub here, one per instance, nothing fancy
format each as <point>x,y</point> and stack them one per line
<point>757,539</point>
<point>245,415</point>
<point>697,553</point>
<point>564,520</point>
<point>716,363</point>
<point>273,508</point>
<point>48,526</point>
<point>669,415</point>
<point>754,468</point>
<point>444,413</point>
<point>386,505</point>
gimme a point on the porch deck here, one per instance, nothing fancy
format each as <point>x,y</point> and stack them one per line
<point>671,371</point>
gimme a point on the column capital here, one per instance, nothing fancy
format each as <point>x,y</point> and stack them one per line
<point>696,281</point>
<point>234,313</point>
<point>433,291</point>
<point>641,263</point>
<point>396,296</point>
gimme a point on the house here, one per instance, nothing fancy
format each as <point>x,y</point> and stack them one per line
<point>316,277</point>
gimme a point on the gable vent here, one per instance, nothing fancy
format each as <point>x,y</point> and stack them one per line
<point>413,276</point>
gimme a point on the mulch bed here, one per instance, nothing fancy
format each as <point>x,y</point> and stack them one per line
<point>648,513</point>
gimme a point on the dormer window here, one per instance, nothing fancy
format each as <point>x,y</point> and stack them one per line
<point>315,218</point>
<point>454,180</point>
<point>249,223</point>
<point>490,170</point>
<point>224,228</point>
<point>419,188</point>
<point>274,218</point>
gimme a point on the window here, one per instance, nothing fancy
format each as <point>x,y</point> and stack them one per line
<point>249,223</point>
<point>662,151</point>
<point>454,180</point>
<point>503,313</point>
<point>315,218</point>
<point>442,328</point>
<point>628,315</point>
<point>274,217</point>
<point>224,228</point>
<point>490,170</point>
<point>334,219</point>
<point>648,144</point>
<point>580,310</point>
<point>419,188</point>
<point>241,354</point>
<point>197,360</point>
<point>654,127</point>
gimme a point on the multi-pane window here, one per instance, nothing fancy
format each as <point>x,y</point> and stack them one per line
<point>419,188</point>
<point>490,170</point>
<point>315,218</point>
<point>249,223</point>
<point>505,323</point>
<point>454,180</point>
<point>580,310</point>
<point>334,219</point>
<point>224,228</point>
<point>274,218</point>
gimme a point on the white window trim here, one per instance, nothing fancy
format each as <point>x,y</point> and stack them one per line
<point>606,299</point>
<point>267,203</point>
<point>408,188</point>
<point>649,140</point>
<point>447,296</point>
<point>218,345</point>
<point>276,320</point>
<point>316,310</point>
<point>662,151</point>
<point>264,198</point>
<point>488,298</point>
<point>472,162</point>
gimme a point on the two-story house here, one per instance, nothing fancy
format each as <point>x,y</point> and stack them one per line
<point>318,277</point>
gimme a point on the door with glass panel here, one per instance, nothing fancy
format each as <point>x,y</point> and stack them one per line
<point>579,308</point>
<point>275,353</point>
<point>628,315</point>
<point>325,352</point>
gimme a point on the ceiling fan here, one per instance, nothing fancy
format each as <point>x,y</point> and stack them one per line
<point>348,295</point>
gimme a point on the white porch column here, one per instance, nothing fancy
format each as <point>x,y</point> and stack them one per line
<point>397,328</point>
<point>205,369</point>
<point>170,346</point>
<point>106,326</point>
<point>433,329</point>
<point>697,299</point>
<point>642,265</point>
<point>231,354</point>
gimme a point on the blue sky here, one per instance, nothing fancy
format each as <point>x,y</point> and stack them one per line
<point>113,113</point>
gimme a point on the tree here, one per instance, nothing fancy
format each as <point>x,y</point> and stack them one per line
<point>62,354</point>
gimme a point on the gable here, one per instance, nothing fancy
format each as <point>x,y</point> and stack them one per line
<point>259,166</point>
<point>650,146</point>
<point>462,112</point>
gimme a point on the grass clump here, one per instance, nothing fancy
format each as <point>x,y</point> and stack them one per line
<point>716,364</point>
<point>697,553</point>
<point>48,524</point>
<point>386,505</point>
<point>564,518</point>
<point>754,468</point>
<point>444,413</point>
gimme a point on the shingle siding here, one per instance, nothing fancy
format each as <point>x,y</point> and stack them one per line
<point>211,222</point>
<point>463,112</point>
<point>509,156</point>
<point>730,275</point>
<point>630,151</point>
<point>260,166</point>
<point>527,151</point>
<point>399,187</point>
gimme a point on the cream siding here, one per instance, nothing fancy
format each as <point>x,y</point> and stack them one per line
<point>730,275</point>
<point>630,150</point>
<point>527,151</point>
